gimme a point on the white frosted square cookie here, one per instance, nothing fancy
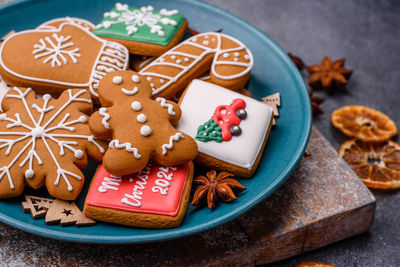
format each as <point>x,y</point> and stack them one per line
<point>230,129</point>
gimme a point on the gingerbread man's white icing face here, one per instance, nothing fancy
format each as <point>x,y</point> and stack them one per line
<point>139,127</point>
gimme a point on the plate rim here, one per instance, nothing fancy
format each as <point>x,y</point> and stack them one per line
<point>232,214</point>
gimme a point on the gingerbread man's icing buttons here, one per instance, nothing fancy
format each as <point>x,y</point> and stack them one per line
<point>136,106</point>
<point>141,118</point>
<point>148,79</point>
<point>117,80</point>
<point>145,130</point>
<point>136,78</point>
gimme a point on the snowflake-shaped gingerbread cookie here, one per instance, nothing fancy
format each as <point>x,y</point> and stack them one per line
<point>43,141</point>
<point>139,127</point>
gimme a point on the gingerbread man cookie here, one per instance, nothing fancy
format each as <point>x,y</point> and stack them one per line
<point>227,59</point>
<point>43,142</point>
<point>52,60</point>
<point>139,127</point>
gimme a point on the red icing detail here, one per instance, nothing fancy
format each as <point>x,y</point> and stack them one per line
<point>228,118</point>
<point>148,198</point>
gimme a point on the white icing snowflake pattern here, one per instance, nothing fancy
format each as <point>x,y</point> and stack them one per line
<point>133,19</point>
<point>56,51</point>
<point>39,129</point>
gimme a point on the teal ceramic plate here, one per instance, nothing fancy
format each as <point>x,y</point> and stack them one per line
<point>273,72</point>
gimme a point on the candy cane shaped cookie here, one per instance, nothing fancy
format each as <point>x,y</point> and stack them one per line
<point>228,60</point>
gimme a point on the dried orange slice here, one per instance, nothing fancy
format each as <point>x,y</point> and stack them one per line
<point>377,164</point>
<point>364,123</point>
<point>314,264</point>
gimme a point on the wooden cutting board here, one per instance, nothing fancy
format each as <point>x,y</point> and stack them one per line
<point>322,202</point>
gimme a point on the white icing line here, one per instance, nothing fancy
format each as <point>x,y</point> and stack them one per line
<point>241,64</point>
<point>159,75</point>
<point>170,145</point>
<point>69,19</point>
<point>130,92</point>
<point>181,54</point>
<point>127,146</point>
<point>171,64</point>
<point>104,121</point>
<point>115,56</point>
<point>164,104</point>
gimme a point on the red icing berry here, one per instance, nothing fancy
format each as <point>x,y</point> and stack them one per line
<point>226,117</point>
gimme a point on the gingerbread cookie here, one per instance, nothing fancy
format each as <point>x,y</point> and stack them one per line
<point>230,129</point>
<point>139,127</point>
<point>144,31</point>
<point>52,60</point>
<point>54,24</point>
<point>44,142</point>
<point>229,60</point>
<point>139,62</point>
<point>156,197</point>
<point>3,91</point>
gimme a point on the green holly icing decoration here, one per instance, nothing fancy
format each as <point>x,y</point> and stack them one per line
<point>209,131</point>
<point>140,24</point>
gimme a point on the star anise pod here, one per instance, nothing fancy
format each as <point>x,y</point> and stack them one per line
<point>329,75</point>
<point>297,61</point>
<point>215,187</point>
<point>315,102</point>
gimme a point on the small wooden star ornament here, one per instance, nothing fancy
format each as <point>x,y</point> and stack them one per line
<point>274,101</point>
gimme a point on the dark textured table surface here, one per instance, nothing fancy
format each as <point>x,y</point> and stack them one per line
<point>367,34</point>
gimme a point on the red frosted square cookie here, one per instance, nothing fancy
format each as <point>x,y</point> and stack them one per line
<point>155,197</point>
